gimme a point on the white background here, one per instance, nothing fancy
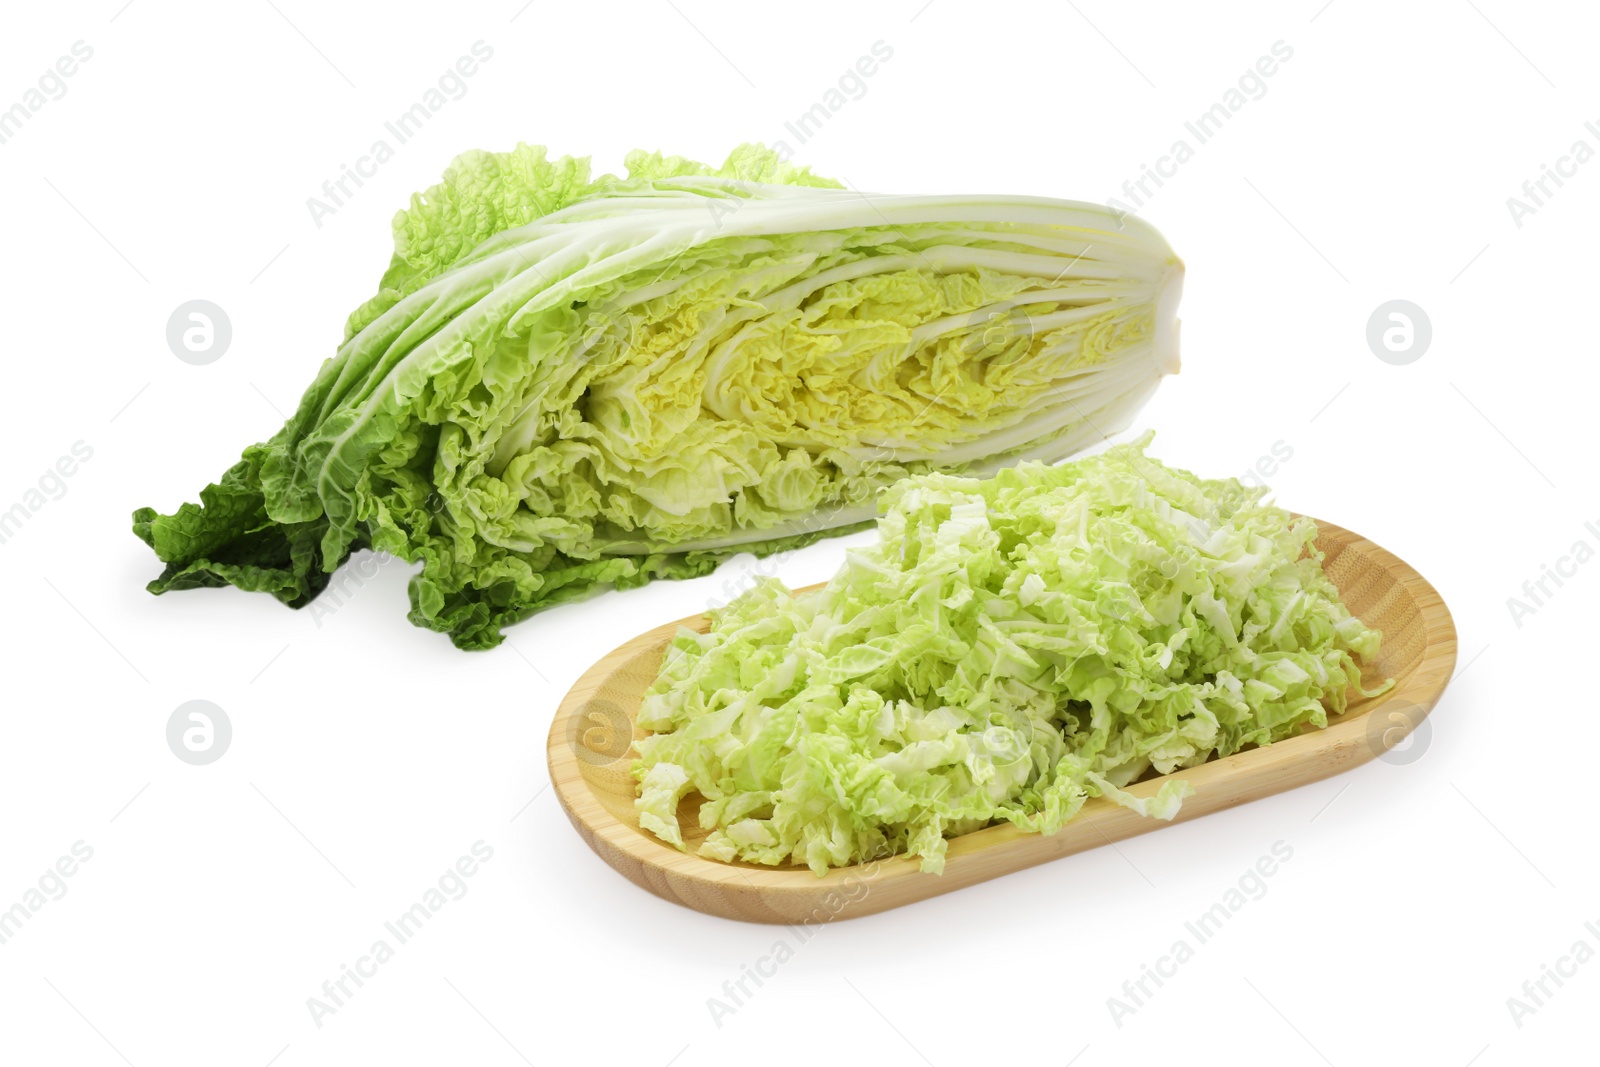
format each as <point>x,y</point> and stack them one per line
<point>368,755</point>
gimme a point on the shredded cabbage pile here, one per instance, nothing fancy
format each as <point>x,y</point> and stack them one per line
<point>1008,649</point>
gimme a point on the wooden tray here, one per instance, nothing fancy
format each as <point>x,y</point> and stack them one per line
<point>590,749</point>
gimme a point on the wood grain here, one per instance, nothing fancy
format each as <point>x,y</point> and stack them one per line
<point>590,748</point>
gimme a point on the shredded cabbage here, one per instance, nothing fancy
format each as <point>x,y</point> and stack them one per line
<point>1007,649</point>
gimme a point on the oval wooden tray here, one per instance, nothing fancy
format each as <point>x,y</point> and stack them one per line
<point>590,748</point>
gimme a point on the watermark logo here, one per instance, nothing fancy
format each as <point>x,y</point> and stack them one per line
<point>199,732</point>
<point>1399,332</point>
<point>600,733</point>
<point>1398,732</point>
<point>606,334</point>
<point>199,332</point>
<point>1002,334</point>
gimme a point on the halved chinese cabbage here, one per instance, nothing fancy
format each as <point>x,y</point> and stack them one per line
<point>567,382</point>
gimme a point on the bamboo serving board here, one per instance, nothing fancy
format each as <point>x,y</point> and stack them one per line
<point>591,747</point>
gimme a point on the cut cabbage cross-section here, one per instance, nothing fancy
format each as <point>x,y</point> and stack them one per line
<point>567,383</point>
